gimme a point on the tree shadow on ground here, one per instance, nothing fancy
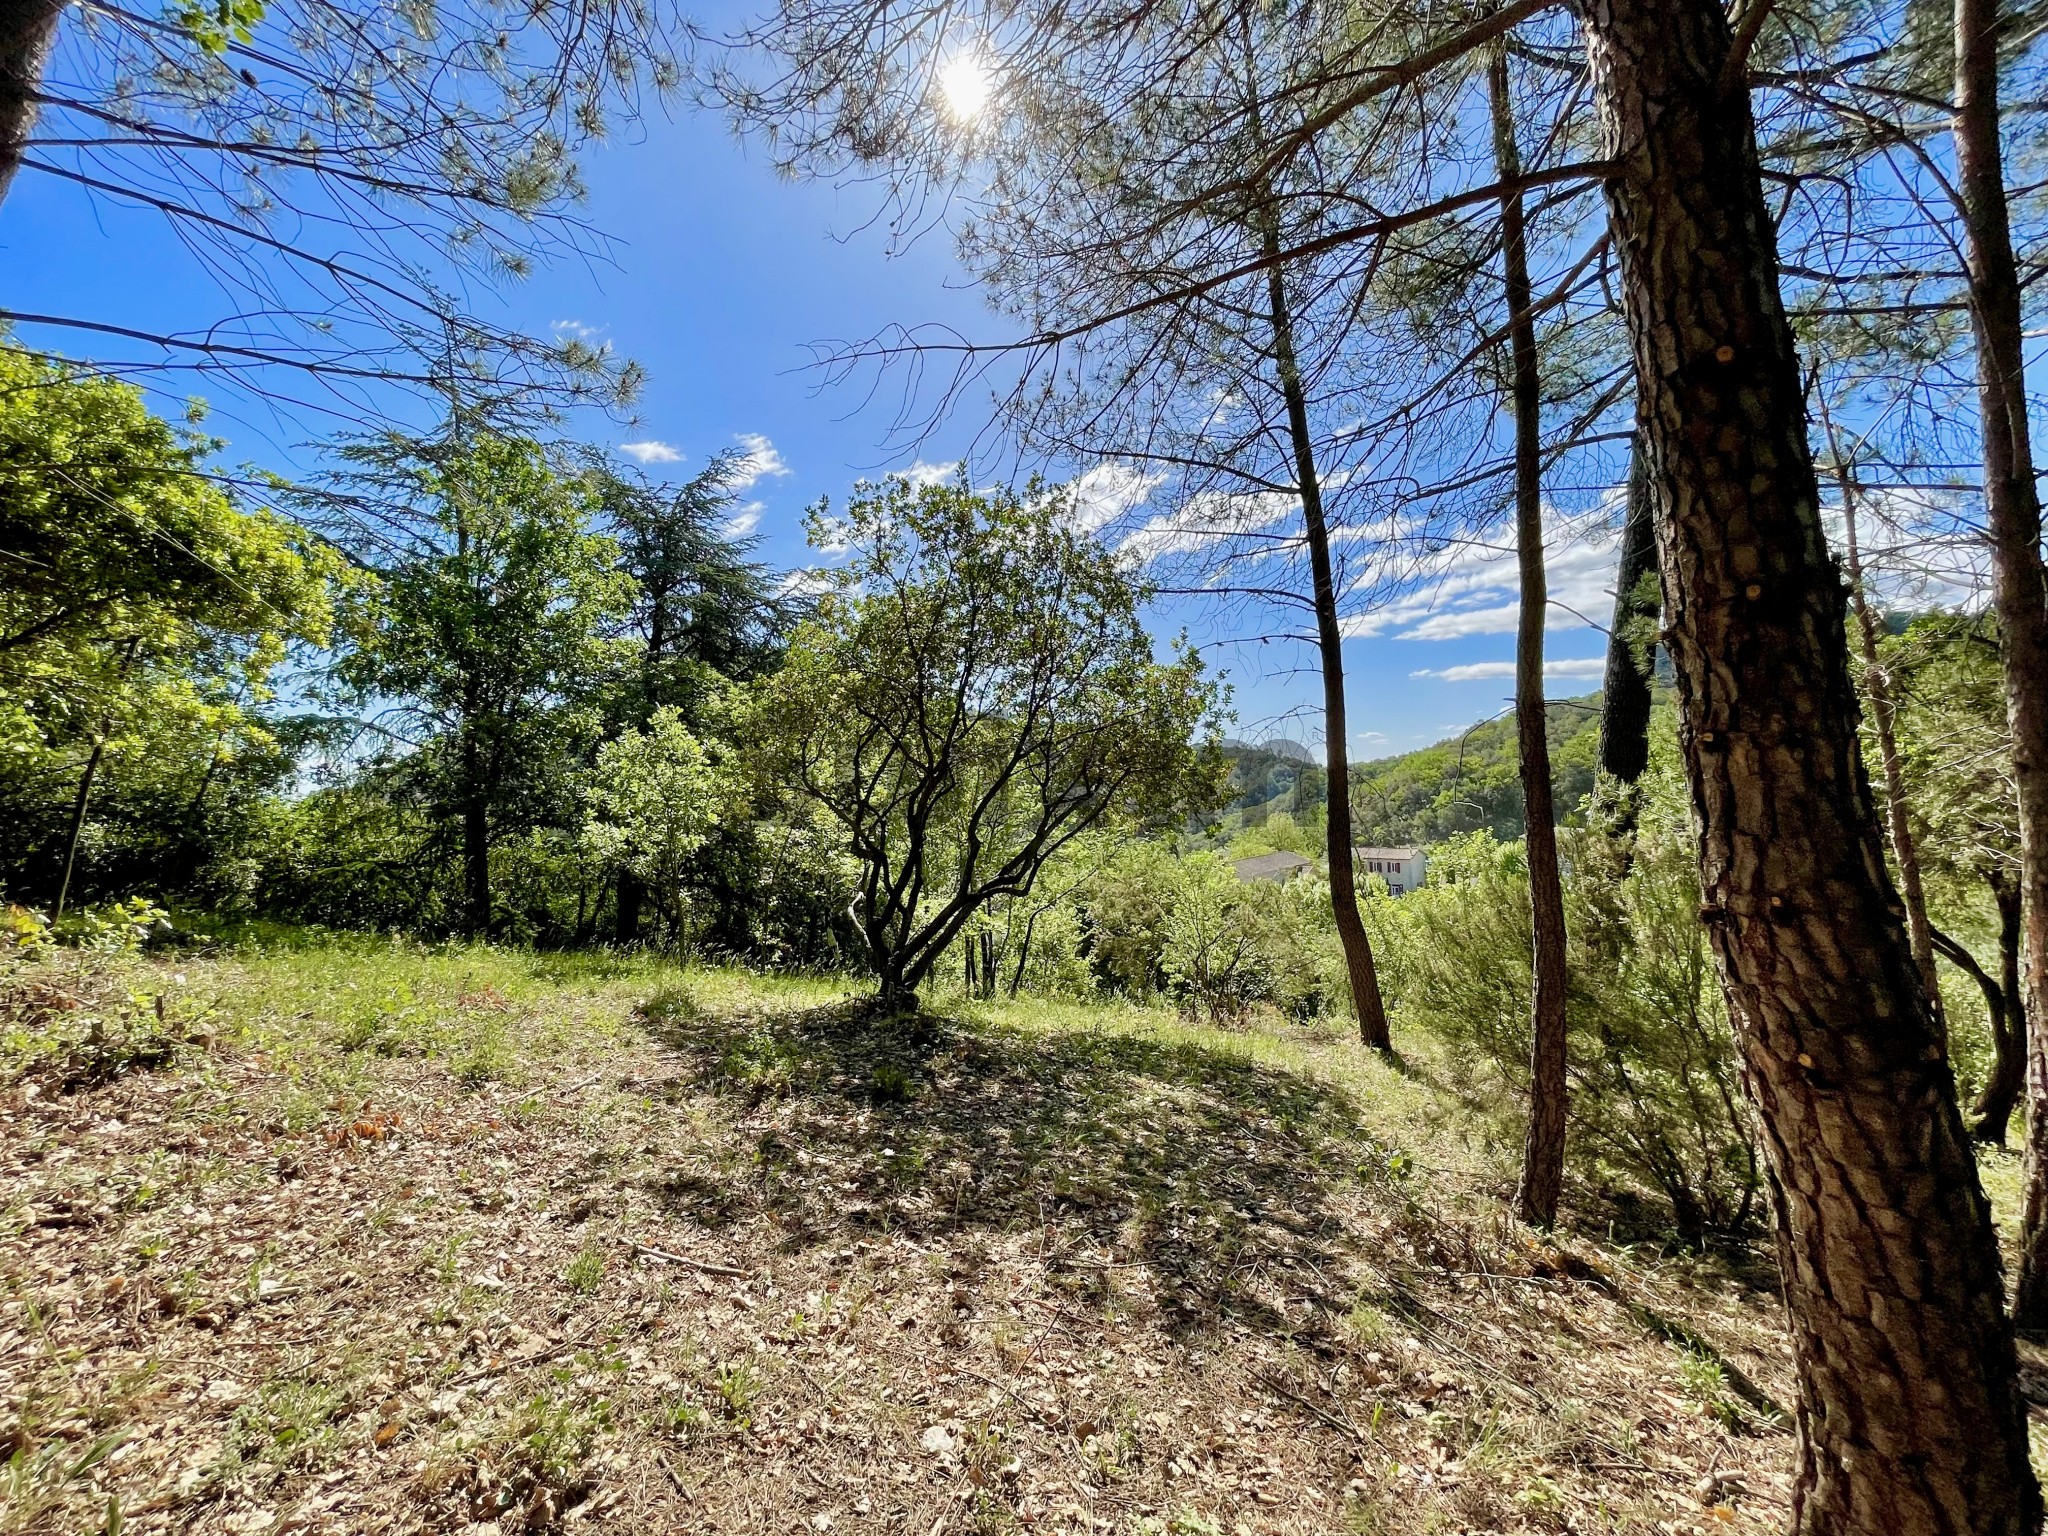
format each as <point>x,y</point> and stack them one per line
<point>1217,1173</point>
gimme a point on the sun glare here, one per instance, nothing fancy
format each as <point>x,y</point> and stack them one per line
<point>965,84</point>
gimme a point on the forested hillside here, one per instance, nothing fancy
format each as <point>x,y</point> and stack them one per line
<point>1465,783</point>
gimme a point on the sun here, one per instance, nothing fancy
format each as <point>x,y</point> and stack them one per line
<point>964,82</point>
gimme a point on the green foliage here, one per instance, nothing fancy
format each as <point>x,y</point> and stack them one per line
<point>1127,907</point>
<point>1954,743</point>
<point>1654,1077</point>
<point>702,612</point>
<point>740,1385</point>
<point>975,692</point>
<point>142,615</point>
<point>216,23</point>
<point>586,1271</point>
<point>1231,944</point>
<point>486,645</point>
<point>1473,781</point>
<point>1955,750</point>
<point>654,797</point>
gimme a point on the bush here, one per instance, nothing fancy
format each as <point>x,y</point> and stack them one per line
<point>1230,945</point>
<point>1654,1076</point>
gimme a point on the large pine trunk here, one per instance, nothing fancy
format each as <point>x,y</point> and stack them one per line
<point>2013,508</point>
<point>1542,1179</point>
<point>1910,1420</point>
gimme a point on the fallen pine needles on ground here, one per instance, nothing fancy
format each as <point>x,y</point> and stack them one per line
<point>391,1239</point>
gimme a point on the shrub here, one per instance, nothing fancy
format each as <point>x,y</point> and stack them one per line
<point>1654,1076</point>
<point>1230,945</point>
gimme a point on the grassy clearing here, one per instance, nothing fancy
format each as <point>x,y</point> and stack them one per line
<point>369,1237</point>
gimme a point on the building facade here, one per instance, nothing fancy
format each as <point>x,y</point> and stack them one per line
<point>1404,869</point>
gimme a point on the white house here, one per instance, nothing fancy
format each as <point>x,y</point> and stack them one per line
<point>1404,869</point>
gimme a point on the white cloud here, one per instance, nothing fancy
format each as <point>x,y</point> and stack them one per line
<point>1458,588</point>
<point>1477,671</point>
<point>744,521</point>
<point>1371,738</point>
<point>573,330</point>
<point>761,460</point>
<point>1207,518</point>
<point>1920,550</point>
<point>805,581</point>
<point>921,474</point>
<point>652,452</point>
<point>1109,491</point>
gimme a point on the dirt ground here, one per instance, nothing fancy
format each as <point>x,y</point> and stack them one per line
<point>409,1241</point>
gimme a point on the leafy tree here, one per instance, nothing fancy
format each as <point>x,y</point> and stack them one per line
<point>1127,906</point>
<point>142,615</point>
<point>975,692</point>
<point>1651,1063</point>
<point>1230,944</point>
<point>483,650</point>
<point>703,614</point>
<point>654,798</point>
<point>1954,746</point>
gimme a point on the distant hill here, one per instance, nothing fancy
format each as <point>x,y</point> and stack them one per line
<point>1283,776</point>
<point>1473,780</point>
<point>1461,783</point>
<point>1279,746</point>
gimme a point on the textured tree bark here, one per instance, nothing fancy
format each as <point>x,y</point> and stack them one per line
<point>28,30</point>
<point>1909,1417</point>
<point>2013,510</point>
<point>1357,944</point>
<point>1543,1147</point>
<point>1625,686</point>
<point>1877,687</point>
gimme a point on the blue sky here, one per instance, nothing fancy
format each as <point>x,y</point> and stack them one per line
<point>723,276</point>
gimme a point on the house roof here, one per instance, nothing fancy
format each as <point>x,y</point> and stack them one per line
<point>1398,855</point>
<point>1270,866</point>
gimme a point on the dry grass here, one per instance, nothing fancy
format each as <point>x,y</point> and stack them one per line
<point>374,1238</point>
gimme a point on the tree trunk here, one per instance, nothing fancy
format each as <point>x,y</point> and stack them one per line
<point>2001,1094</point>
<point>1625,687</point>
<point>1910,1421</point>
<point>2013,508</point>
<point>1543,1149</point>
<point>92,768</point>
<point>1877,688</point>
<point>78,805</point>
<point>1357,945</point>
<point>632,896</point>
<point>28,30</point>
<point>476,840</point>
